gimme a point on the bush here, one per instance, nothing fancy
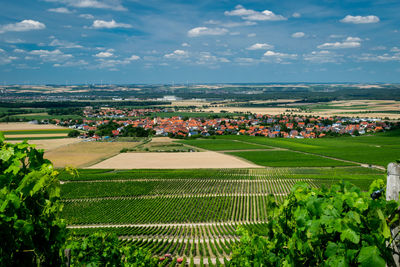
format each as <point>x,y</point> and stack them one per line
<point>340,226</point>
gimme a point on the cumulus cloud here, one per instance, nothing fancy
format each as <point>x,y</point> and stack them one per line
<point>79,63</point>
<point>298,35</point>
<point>201,31</point>
<point>249,14</point>
<point>323,56</point>
<point>258,46</point>
<point>360,19</point>
<point>62,10</point>
<point>177,54</point>
<point>395,49</point>
<point>25,25</point>
<point>64,44</point>
<point>104,4</point>
<point>270,53</point>
<point>133,58</point>
<point>349,42</point>
<point>185,45</point>
<point>86,16</point>
<point>47,55</point>
<point>104,54</point>
<point>379,58</point>
<point>102,24</point>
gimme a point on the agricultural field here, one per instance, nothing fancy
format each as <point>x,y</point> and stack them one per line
<point>288,159</point>
<point>49,144</point>
<point>378,149</point>
<point>83,154</point>
<point>221,145</point>
<point>171,160</point>
<point>189,213</point>
<point>22,131</point>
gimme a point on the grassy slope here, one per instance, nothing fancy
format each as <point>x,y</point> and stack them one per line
<point>378,149</point>
<point>287,159</point>
<point>218,145</point>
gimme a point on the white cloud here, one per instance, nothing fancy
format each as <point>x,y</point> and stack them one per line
<point>25,25</point>
<point>55,55</point>
<point>2,50</point>
<point>246,61</point>
<point>134,58</point>
<point>19,50</point>
<point>102,24</point>
<point>349,42</point>
<point>201,31</point>
<point>395,49</point>
<point>62,10</point>
<point>298,35</point>
<point>360,19</point>
<point>185,45</point>
<point>334,36</point>
<point>6,59</point>
<point>249,14</point>
<point>259,46</point>
<point>270,53</point>
<point>177,54</point>
<point>379,58</point>
<point>104,54</point>
<point>296,15</point>
<point>251,35</point>
<point>86,16</point>
<point>64,44</point>
<point>323,56</point>
<point>80,62</point>
<point>105,4</point>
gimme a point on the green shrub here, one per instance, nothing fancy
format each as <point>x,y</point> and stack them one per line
<point>340,226</point>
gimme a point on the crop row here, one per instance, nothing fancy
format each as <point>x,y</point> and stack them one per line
<point>236,208</point>
<point>177,187</point>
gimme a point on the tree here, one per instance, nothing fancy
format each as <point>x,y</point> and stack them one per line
<point>31,230</point>
<point>340,226</point>
<point>74,133</point>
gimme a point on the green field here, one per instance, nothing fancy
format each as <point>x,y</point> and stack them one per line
<point>287,159</point>
<point>377,149</point>
<point>220,145</point>
<point>43,131</point>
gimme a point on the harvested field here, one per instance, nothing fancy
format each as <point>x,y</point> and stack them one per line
<point>172,161</point>
<point>27,136</point>
<point>84,154</point>
<point>49,144</point>
<point>15,126</point>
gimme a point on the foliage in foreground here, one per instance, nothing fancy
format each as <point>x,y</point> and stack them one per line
<point>30,227</point>
<point>102,249</point>
<point>340,226</point>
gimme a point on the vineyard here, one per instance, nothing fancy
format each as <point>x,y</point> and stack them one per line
<point>190,214</point>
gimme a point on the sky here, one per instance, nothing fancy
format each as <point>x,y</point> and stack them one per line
<point>199,41</point>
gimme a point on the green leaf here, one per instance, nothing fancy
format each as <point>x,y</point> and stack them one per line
<point>349,234</point>
<point>370,256</point>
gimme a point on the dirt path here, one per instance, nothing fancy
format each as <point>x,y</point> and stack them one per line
<point>174,196</point>
<point>88,226</point>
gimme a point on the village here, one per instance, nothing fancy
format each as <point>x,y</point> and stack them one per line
<point>272,126</point>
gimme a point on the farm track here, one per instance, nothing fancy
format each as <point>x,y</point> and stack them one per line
<point>314,154</point>
<point>86,226</point>
<point>174,196</point>
<point>187,180</point>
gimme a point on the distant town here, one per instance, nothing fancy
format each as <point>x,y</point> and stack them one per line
<point>272,126</point>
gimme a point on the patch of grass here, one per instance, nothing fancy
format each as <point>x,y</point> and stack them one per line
<point>287,159</point>
<point>380,149</point>
<point>219,144</point>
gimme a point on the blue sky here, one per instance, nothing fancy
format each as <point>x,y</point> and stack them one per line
<point>203,41</point>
